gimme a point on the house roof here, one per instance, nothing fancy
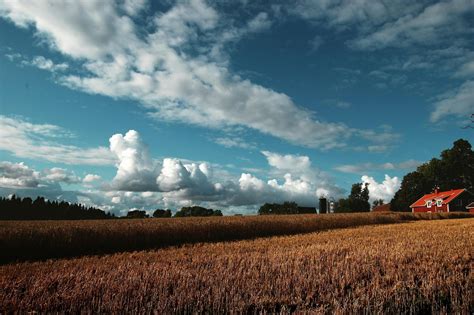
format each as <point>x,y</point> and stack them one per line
<point>384,207</point>
<point>446,196</point>
<point>470,206</point>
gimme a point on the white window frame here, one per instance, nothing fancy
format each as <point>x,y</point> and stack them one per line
<point>429,203</point>
<point>439,203</point>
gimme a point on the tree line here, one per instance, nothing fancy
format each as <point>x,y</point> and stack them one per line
<point>16,208</point>
<point>193,211</point>
<point>288,207</point>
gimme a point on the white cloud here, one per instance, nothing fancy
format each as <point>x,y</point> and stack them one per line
<point>434,23</point>
<point>178,70</point>
<point>234,142</point>
<point>57,174</point>
<point>435,36</point>
<point>380,24</point>
<point>18,175</point>
<point>81,29</point>
<point>186,182</point>
<point>46,64</point>
<point>135,169</point>
<point>24,181</point>
<point>259,23</point>
<point>369,167</point>
<point>344,14</point>
<point>134,7</point>
<point>466,69</point>
<point>385,190</point>
<point>459,103</point>
<point>22,176</point>
<point>90,178</point>
<point>39,141</point>
<point>141,182</point>
<point>288,162</point>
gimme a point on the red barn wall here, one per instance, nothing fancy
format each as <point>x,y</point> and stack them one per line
<point>443,208</point>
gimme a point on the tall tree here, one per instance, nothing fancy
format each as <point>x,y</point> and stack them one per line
<point>453,170</point>
<point>358,200</point>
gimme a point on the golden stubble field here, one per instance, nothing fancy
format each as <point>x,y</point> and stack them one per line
<point>34,240</point>
<point>418,267</point>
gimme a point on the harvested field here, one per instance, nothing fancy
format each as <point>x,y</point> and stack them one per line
<point>35,240</point>
<point>417,267</point>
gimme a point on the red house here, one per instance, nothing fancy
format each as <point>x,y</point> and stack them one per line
<point>444,201</point>
<point>470,207</point>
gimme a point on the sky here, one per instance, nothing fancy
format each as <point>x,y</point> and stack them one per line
<point>137,104</point>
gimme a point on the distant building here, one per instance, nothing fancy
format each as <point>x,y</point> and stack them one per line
<point>444,201</point>
<point>323,205</point>
<point>381,208</point>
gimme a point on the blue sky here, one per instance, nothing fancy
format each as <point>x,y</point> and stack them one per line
<point>129,104</point>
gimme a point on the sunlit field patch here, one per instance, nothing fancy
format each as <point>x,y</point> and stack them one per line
<point>417,267</point>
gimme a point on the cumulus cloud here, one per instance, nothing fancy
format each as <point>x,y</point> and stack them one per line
<point>40,141</point>
<point>143,182</point>
<point>18,175</point>
<point>135,169</point>
<point>57,174</point>
<point>186,182</point>
<point>385,190</point>
<point>253,190</point>
<point>177,68</point>
<point>368,167</point>
<point>24,181</point>
<point>288,162</point>
<point>22,176</point>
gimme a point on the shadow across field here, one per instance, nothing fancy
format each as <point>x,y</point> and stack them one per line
<point>39,240</point>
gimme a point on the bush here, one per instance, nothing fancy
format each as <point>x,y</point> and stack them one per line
<point>160,213</point>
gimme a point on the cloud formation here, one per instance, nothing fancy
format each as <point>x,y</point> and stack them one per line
<point>182,182</point>
<point>17,175</point>
<point>459,102</point>
<point>176,68</point>
<point>46,64</point>
<point>40,141</point>
<point>435,35</point>
<point>142,182</point>
<point>384,190</point>
<point>24,181</point>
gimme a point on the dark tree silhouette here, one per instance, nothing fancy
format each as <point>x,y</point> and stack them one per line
<point>137,214</point>
<point>453,170</point>
<point>288,207</point>
<point>358,200</point>
<point>196,211</point>
<point>160,213</point>
<point>15,208</point>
